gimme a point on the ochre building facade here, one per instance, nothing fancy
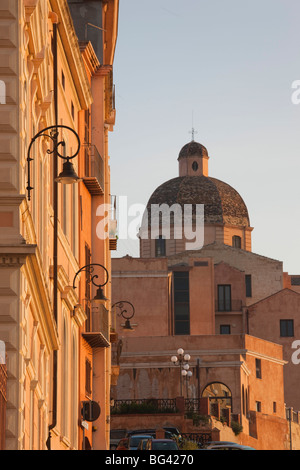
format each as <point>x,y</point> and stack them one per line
<point>49,78</point>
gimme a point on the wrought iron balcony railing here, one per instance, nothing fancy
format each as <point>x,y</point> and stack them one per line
<point>93,170</point>
<point>97,332</point>
<point>140,406</point>
<point>228,305</point>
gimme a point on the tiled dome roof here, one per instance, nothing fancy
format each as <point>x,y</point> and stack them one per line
<point>222,203</point>
<point>192,149</point>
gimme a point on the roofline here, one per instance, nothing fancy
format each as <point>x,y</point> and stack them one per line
<point>227,247</point>
<point>249,307</point>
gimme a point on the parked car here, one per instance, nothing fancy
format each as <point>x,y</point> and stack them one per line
<point>142,444</point>
<point>115,436</point>
<point>123,444</point>
<point>161,444</point>
<point>229,447</point>
<point>151,432</point>
<point>135,439</point>
<point>219,443</point>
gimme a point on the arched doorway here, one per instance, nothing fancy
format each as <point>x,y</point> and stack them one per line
<point>218,392</point>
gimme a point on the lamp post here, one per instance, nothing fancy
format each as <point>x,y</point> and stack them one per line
<point>181,361</point>
<point>121,305</point>
<point>90,268</point>
<point>187,374</point>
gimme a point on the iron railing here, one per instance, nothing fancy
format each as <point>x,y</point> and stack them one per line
<point>93,169</point>
<point>100,321</point>
<point>234,305</point>
<point>201,438</point>
<point>191,405</point>
<point>151,405</point>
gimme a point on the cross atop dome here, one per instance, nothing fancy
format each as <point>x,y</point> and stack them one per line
<point>193,132</point>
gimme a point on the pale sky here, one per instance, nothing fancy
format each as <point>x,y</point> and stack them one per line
<point>229,65</point>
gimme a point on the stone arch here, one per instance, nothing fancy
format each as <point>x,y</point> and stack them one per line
<point>218,392</point>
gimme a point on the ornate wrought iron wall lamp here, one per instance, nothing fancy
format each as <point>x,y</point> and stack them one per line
<point>68,174</point>
<point>90,268</point>
<point>127,315</point>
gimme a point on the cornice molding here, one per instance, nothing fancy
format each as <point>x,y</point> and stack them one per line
<point>72,51</point>
<point>89,55</point>
<point>103,71</point>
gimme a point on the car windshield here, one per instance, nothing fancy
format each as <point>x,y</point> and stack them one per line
<point>134,441</point>
<point>164,446</point>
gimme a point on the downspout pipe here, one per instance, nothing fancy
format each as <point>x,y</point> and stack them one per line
<point>54,19</point>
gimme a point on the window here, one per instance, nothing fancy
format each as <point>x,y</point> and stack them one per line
<point>224,329</point>
<point>160,246</point>
<point>236,241</point>
<point>181,303</point>
<point>87,126</point>
<point>195,166</point>
<point>258,406</point>
<point>243,400</point>
<point>88,373</point>
<point>72,110</point>
<point>274,407</point>
<point>63,80</point>
<point>87,289</point>
<point>258,368</point>
<point>224,298</point>
<point>248,282</point>
<point>286,328</point>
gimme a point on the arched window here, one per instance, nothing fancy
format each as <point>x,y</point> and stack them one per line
<point>218,392</point>
<point>160,246</point>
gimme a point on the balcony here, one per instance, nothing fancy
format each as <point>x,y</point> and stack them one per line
<point>113,224</point>
<point>98,334</point>
<point>93,170</point>
<point>227,306</point>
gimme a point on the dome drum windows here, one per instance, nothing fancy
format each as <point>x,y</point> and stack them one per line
<point>160,246</point>
<point>195,166</point>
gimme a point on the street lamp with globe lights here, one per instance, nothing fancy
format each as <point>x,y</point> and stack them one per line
<point>187,374</point>
<point>181,360</point>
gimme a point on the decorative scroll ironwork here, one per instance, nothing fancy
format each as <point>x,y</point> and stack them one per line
<point>90,268</point>
<point>201,438</point>
<point>159,405</point>
<point>52,135</point>
<point>123,310</point>
<point>191,405</point>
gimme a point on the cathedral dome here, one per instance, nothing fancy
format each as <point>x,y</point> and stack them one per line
<point>168,230</point>
<point>222,203</point>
